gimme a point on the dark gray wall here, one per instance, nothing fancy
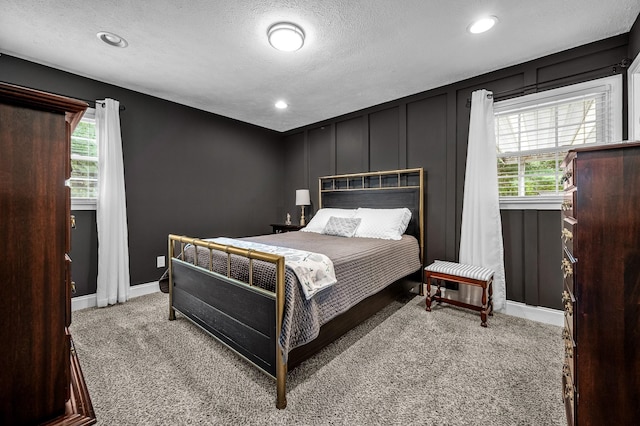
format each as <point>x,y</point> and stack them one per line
<point>196,173</point>
<point>430,130</point>
<point>84,252</point>
<point>634,39</point>
<point>186,172</point>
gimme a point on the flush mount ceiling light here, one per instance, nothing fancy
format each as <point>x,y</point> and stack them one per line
<point>281,105</point>
<point>482,24</point>
<point>286,36</point>
<point>112,39</point>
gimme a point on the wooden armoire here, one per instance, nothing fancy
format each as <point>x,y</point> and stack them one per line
<point>40,377</point>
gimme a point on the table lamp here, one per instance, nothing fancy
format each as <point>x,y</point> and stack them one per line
<point>302,199</point>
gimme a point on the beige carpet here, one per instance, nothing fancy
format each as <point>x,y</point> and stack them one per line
<point>404,366</point>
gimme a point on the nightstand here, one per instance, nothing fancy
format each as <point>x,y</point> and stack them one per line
<point>279,228</point>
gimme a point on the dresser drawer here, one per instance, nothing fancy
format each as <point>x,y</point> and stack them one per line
<point>569,268</point>
<point>568,376</point>
<point>69,289</point>
<point>568,174</point>
<point>569,304</point>
<point>569,283</point>
<point>67,233</point>
<point>568,203</point>
<point>569,312</point>
<point>569,395</point>
<point>569,230</point>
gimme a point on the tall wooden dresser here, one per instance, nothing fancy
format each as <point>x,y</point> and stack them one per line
<point>40,377</point>
<point>601,265</point>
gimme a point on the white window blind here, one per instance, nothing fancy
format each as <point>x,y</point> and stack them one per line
<point>534,133</point>
<point>84,160</point>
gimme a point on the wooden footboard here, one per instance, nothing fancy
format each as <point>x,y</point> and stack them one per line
<point>244,317</point>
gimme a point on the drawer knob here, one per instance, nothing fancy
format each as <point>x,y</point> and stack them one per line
<point>567,268</point>
<point>568,392</point>
<point>73,221</point>
<point>566,176</point>
<point>567,235</point>
<point>568,307</point>
<point>568,346</point>
<point>568,353</point>
<point>567,205</point>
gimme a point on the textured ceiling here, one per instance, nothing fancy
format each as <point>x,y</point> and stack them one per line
<point>214,55</point>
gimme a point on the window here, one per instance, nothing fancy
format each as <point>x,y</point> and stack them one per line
<point>534,133</point>
<point>84,163</point>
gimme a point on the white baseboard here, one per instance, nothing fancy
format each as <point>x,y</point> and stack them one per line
<point>83,302</point>
<point>142,289</point>
<point>516,309</point>
<point>535,313</point>
<point>90,300</point>
<point>522,310</point>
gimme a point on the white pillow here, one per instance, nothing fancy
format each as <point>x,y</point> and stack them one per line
<point>342,226</point>
<point>386,224</point>
<point>319,221</point>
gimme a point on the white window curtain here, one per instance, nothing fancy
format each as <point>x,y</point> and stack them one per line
<point>111,215</point>
<point>481,234</point>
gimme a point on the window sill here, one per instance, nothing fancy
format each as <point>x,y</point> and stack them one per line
<point>551,202</point>
<point>80,204</point>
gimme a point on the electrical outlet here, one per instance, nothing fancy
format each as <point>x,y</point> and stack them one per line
<point>160,262</point>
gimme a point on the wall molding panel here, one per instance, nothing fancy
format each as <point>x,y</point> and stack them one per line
<point>430,130</point>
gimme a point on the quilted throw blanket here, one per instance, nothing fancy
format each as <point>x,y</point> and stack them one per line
<point>314,270</point>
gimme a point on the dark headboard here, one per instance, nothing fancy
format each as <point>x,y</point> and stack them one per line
<point>385,189</point>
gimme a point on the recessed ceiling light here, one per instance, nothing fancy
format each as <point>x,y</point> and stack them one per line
<point>281,105</point>
<point>483,24</point>
<point>112,39</point>
<point>286,36</point>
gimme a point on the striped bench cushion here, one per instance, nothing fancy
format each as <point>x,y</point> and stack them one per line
<point>461,270</point>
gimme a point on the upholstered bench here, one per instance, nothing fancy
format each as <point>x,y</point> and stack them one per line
<point>463,274</point>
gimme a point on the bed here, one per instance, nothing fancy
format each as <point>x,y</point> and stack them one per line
<point>276,316</point>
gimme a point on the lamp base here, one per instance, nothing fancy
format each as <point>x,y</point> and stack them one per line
<point>302,221</point>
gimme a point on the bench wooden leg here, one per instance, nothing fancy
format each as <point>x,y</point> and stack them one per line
<point>483,312</point>
<point>491,297</point>
<point>437,296</point>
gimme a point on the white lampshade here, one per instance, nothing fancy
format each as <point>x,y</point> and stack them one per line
<point>302,197</point>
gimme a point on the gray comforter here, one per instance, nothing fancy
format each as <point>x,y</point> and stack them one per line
<point>363,266</point>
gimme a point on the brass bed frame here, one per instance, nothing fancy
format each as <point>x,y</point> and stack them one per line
<point>252,328</point>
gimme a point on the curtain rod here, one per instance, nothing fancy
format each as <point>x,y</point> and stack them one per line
<point>499,96</point>
<point>95,103</point>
